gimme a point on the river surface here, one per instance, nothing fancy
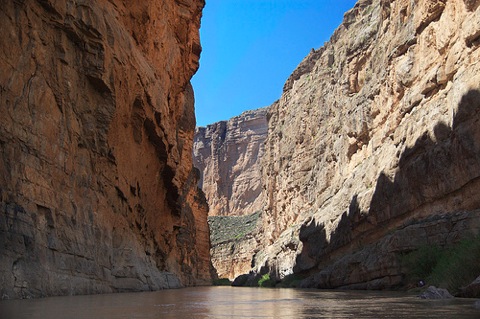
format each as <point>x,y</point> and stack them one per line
<point>228,302</point>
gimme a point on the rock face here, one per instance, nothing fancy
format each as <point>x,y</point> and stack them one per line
<point>229,155</point>
<point>374,147</point>
<point>234,243</point>
<point>378,265</point>
<point>97,188</point>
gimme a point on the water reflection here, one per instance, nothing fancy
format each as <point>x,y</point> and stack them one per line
<point>228,302</point>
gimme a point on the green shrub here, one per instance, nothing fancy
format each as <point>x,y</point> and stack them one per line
<point>421,262</point>
<point>451,268</point>
<point>232,228</point>
<point>458,266</point>
<point>266,281</point>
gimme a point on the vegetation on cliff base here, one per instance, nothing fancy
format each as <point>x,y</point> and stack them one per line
<point>291,281</point>
<point>228,228</point>
<point>222,282</point>
<point>451,268</point>
<point>266,281</point>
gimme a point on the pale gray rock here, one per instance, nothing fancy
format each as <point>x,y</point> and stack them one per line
<point>433,292</point>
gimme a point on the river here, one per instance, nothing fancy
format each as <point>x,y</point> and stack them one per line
<point>228,302</point>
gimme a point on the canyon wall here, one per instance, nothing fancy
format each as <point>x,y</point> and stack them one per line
<point>228,155</point>
<point>375,137</point>
<point>235,240</point>
<point>373,148</point>
<point>97,188</point>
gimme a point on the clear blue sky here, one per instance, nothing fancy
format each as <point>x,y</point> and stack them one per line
<point>250,47</point>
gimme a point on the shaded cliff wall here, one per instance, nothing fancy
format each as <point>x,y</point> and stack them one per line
<point>373,148</point>
<point>97,187</point>
<point>228,155</point>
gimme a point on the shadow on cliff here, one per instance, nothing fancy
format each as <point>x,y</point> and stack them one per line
<point>434,168</point>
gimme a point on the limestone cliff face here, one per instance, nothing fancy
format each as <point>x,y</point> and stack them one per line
<point>374,146</point>
<point>97,188</point>
<point>234,243</point>
<point>229,154</point>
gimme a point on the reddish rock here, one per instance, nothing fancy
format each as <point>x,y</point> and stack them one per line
<point>97,188</point>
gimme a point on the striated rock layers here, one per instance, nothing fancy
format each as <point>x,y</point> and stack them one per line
<point>97,188</point>
<point>229,155</point>
<point>374,147</point>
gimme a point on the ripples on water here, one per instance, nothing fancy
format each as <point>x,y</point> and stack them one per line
<point>228,302</point>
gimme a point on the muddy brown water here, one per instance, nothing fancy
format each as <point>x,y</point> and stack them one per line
<point>228,302</point>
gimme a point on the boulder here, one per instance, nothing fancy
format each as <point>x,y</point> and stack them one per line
<point>433,292</point>
<point>472,290</point>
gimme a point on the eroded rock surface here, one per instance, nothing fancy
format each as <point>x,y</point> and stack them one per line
<point>234,243</point>
<point>228,155</point>
<point>375,133</point>
<point>97,188</point>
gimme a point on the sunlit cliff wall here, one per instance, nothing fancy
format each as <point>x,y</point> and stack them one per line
<point>97,187</point>
<point>229,155</point>
<point>374,147</point>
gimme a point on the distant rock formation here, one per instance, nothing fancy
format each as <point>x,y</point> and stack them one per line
<point>229,155</point>
<point>97,188</point>
<point>234,243</point>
